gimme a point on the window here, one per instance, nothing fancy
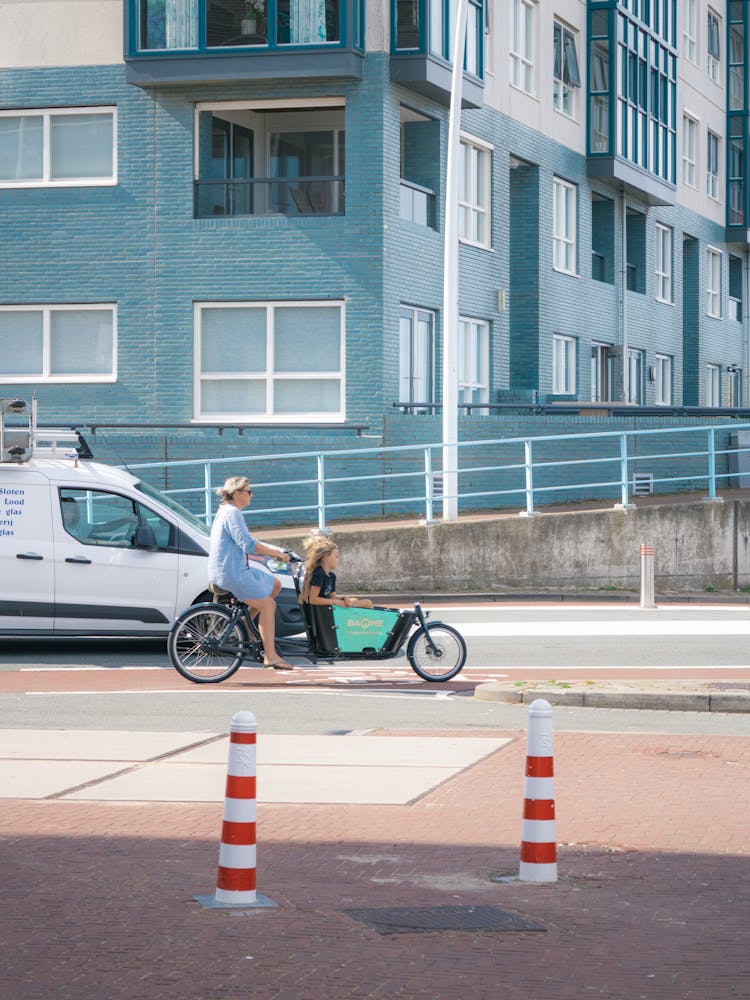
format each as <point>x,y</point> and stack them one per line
<point>713,59</point>
<point>270,361</point>
<point>522,54</point>
<point>420,159</point>
<point>635,377</point>
<point>64,147</point>
<point>690,151</point>
<point>474,193</point>
<point>602,238</point>
<point>201,25</point>
<point>733,386</point>
<point>95,517</point>
<point>690,30</point>
<point>564,225</point>
<point>713,283</point>
<point>663,380</point>
<point>416,356</point>
<point>663,263</point>
<point>735,288</point>
<point>713,385</point>
<point>566,77</point>
<point>269,161</point>
<point>473,361</point>
<point>563,365</point>
<point>635,251</point>
<point>602,372</point>
<point>58,343</point>
<point>712,165</point>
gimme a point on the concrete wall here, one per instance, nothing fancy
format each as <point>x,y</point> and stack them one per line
<point>697,545</point>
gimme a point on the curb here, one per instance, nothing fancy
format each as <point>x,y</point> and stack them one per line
<point>660,701</point>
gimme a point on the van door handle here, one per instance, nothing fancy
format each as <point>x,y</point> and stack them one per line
<point>28,555</point>
<point>78,559</point>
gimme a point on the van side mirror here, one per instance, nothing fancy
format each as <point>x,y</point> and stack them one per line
<point>144,538</point>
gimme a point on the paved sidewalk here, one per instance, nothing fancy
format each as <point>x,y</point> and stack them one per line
<point>654,844</point>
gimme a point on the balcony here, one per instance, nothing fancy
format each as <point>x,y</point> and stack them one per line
<point>186,41</point>
<point>289,196</point>
<point>422,42</point>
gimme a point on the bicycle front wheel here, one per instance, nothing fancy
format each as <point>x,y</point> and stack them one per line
<point>439,656</point>
<point>205,646</point>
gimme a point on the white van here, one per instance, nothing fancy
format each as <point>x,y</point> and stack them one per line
<point>90,550</point>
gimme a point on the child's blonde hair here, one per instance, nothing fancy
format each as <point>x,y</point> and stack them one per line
<point>317,547</point>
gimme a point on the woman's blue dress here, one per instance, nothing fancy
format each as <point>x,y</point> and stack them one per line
<point>231,543</point>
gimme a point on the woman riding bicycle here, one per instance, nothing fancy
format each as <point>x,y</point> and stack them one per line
<point>231,544</point>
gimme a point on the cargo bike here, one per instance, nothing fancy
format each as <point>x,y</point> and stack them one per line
<point>209,642</point>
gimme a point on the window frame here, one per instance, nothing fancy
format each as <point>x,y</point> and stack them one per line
<point>690,31</point>
<point>45,377</point>
<point>562,91</point>
<point>479,352</point>
<point>713,287</point>
<point>664,366</point>
<point>474,211</point>
<point>564,235</point>
<point>522,46</point>
<point>413,313</point>
<point>713,186</point>
<point>268,416</point>
<point>564,365</point>
<point>635,362</point>
<point>45,181</point>
<point>663,265</point>
<point>690,165</point>
<point>713,58</point>
<point>713,384</point>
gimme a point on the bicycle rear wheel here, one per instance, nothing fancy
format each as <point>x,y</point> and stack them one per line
<point>439,657</point>
<point>201,646</point>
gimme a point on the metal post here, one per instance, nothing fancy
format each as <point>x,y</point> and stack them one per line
<point>711,464</point>
<point>428,486</point>
<point>207,493</point>
<point>624,503</point>
<point>528,461</point>
<point>450,273</point>
<point>647,576</point>
<point>321,494</point>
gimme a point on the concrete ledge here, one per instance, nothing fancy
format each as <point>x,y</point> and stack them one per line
<point>592,696</point>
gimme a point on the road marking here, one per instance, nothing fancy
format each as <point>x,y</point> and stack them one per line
<point>599,628</point>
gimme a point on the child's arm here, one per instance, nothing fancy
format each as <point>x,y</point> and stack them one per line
<point>315,598</point>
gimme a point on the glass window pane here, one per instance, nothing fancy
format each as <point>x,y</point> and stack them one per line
<point>80,146</point>
<point>233,340</point>
<point>307,339</point>
<point>21,340</point>
<point>21,143</point>
<point>81,342</point>
<point>233,396</point>
<point>306,396</point>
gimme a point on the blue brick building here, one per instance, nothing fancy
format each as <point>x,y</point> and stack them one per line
<point>230,213</point>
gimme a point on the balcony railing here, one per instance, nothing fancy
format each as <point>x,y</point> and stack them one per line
<point>270,196</point>
<point>417,204</point>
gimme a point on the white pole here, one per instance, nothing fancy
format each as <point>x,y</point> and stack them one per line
<point>450,274</point>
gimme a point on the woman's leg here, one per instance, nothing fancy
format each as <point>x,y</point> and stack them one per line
<point>266,609</point>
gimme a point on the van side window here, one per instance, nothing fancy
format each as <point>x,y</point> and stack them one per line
<point>95,517</point>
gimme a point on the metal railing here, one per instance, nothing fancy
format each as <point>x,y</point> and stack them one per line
<point>406,480</point>
<point>269,196</point>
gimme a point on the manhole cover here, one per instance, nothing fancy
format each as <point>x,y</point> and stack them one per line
<point>409,920</point>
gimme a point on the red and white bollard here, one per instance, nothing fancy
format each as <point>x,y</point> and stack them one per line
<point>538,841</point>
<point>235,878</point>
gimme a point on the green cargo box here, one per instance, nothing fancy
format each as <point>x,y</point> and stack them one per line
<point>358,629</point>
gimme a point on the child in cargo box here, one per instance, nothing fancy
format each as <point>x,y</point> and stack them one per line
<point>319,586</point>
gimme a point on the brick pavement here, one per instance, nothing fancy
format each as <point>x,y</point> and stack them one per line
<point>651,902</point>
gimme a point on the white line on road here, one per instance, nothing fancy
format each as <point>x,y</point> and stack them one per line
<point>602,628</point>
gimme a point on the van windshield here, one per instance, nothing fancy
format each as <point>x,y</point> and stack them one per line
<point>154,494</point>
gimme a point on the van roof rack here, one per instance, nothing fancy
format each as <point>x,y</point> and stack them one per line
<point>22,439</point>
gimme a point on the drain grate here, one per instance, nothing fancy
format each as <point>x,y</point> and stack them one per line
<point>409,920</point>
